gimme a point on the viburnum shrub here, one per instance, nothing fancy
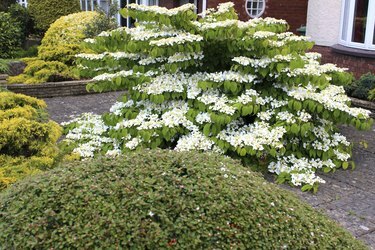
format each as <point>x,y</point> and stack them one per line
<point>245,89</point>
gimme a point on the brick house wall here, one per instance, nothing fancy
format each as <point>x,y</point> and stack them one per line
<point>294,11</point>
<point>357,65</point>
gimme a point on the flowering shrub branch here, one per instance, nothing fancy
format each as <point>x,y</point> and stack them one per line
<point>245,89</point>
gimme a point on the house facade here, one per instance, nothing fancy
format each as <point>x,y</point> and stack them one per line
<point>343,30</point>
<point>344,33</point>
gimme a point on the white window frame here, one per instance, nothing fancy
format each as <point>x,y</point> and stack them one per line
<point>370,23</point>
<point>144,2</point>
<point>22,3</point>
<point>249,12</point>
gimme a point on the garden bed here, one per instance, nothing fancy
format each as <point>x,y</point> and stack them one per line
<point>50,89</point>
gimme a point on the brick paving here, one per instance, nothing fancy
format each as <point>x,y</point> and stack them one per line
<point>348,197</point>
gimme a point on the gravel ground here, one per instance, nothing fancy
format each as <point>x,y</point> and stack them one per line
<point>348,197</point>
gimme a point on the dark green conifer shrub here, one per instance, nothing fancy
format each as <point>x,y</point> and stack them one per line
<point>45,12</point>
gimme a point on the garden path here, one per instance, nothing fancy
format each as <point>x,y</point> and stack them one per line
<point>348,196</point>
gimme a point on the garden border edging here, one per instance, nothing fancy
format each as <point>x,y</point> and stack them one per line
<point>51,89</point>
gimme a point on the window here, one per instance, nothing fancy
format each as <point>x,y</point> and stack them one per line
<point>129,22</point>
<point>22,2</point>
<point>255,8</point>
<point>358,24</point>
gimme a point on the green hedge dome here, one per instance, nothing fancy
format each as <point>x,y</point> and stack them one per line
<point>45,12</point>
<point>161,199</point>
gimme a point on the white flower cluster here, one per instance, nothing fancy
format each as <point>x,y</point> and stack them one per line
<point>324,140</point>
<point>203,117</point>
<point>165,83</point>
<point>256,63</point>
<point>109,77</point>
<point>217,102</point>
<point>302,170</point>
<point>115,55</point>
<point>286,116</point>
<point>182,57</point>
<point>181,39</point>
<point>161,10</point>
<point>263,34</point>
<point>214,25</point>
<point>194,141</point>
<point>89,134</point>
<point>230,76</point>
<point>249,96</point>
<point>142,33</point>
<point>224,8</point>
<point>119,106</point>
<point>255,135</point>
<point>333,97</point>
<point>313,68</point>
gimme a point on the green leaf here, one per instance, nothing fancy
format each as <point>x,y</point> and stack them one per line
<point>345,165</point>
<point>306,187</point>
<point>247,110</point>
<point>206,129</point>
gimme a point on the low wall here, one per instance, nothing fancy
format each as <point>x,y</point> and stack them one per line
<point>50,89</point>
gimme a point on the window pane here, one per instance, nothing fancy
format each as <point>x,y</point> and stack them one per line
<point>88,2</point>
<point>83,4</point>
<point>360,18</point>
<point>373,41</point>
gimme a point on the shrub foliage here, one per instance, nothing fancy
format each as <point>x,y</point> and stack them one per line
<point>245,89</point>
<point>27,138</point>
<point>45,12</point>
<point>158,200</point>
<point>62,40</point>
<point>56,53</point>
<point>361,88</point>
<point>10,35</point>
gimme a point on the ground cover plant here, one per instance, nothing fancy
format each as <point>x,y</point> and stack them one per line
<point>27,138</point>
<point>161,200</point>
<point>245,89</point>
<point>362,87</point>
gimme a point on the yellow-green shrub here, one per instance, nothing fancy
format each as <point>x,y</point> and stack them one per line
<point>62,40</point>
<point>27,138</point>
<point>56,53</point>
<point>39,71</point>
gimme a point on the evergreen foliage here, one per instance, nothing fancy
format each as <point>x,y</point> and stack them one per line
<point>27,138</point>
<point>46,12</point>
<point>161,200</point>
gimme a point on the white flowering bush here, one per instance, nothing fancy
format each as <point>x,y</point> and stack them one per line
<point>214,83</point>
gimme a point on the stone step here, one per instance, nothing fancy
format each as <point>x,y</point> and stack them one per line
<point>3,77</point>
<point>3,81</point>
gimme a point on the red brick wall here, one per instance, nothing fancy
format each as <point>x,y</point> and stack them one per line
<point>357,65</point>
<point>294,11</point>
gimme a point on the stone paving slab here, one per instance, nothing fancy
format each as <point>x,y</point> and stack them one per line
<point>348,196</point>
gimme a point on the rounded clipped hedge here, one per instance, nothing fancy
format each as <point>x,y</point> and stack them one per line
<point>62,40</point>
<point>161,199</point>
<point>45,12</point>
